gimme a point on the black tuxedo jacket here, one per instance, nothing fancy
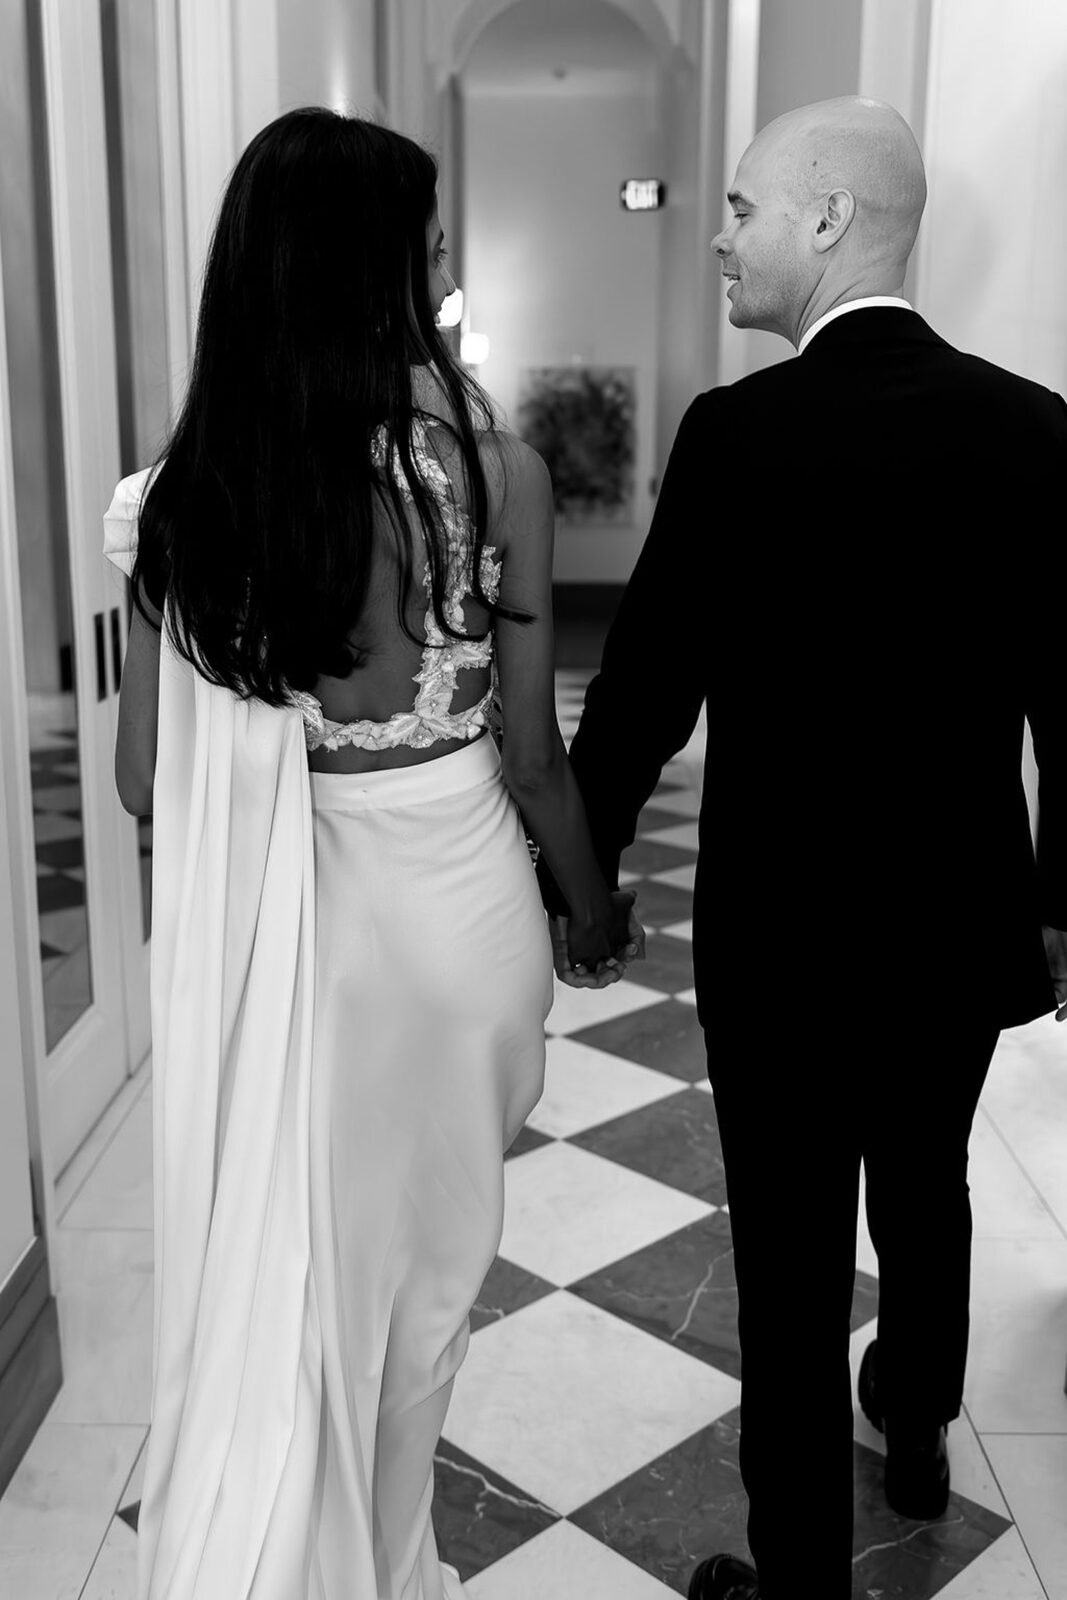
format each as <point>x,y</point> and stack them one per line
<point>857,559</point>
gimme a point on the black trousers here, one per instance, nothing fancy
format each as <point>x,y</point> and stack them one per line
<point>801,1100</point>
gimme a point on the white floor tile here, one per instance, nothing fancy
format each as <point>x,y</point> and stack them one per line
<point>861,1428</point>
<point>679,930</point>
<point>118,1192</point>
<point>682,834</point>
<point>1004,1203</point>
<point>63,797</point>
<point>866,1255</point>
<point>677,877</point>
<point>584,1008</point>
<point>84,1159</point>
<point>48,827</point>
<point>104,1300</point>
<point>972,1474</point>
<point>1003,1572</point>
<point>65,929</point>
<point>568,1213</point>
<point>1025,1097</point>
<point>57,1508</point>
<point>114,1573</point>
<point>565,1400</point>
<point>1018,1344</point>
<point>134,1486</point>
<point>1033,1474</point>
<point>563,1563</point>
<point>683,802</point>
<point>584,1087</point>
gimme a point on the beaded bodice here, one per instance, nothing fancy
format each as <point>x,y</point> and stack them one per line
<point>431,718</point>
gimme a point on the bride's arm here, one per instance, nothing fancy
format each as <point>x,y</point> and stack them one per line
<point>135,746</point>
<point>534,757</point>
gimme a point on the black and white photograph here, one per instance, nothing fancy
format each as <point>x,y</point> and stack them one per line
<point>533,799</point>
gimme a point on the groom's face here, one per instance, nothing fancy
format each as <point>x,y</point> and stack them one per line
<point>760,248</point>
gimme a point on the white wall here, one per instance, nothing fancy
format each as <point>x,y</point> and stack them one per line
<point>555,269</point>
<point>326,54</point>
<point>993,267</point>
<point>805,52</point>
<point>993,244</point>
<point>691,108</point>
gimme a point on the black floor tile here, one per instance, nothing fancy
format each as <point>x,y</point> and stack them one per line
<point>681,1289</point>
<point>130,1514</point>
<point>528,1139</point>
<point>660,903</point>
<point>653,817</point>
<point>507,1288</point>
<point>671,1514</point>
<point>54,758</point>
<point>675,1141</point>
<point>647,855</point>
<point>667,964</point>
<point>667,1037</point>
<point>42,776</point>
<point>478,1516</point>
<point>898,1559</point>
<point>59,893</point>
<point>61,853</point>
<point>690,1503</point>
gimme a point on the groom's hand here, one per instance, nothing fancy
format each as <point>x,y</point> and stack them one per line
<point>631,947</point>
<point>1056,955</point>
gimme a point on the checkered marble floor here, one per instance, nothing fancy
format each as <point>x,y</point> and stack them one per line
<point>590,1451</point>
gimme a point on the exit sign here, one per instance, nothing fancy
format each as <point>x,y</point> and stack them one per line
<point>642,194</point>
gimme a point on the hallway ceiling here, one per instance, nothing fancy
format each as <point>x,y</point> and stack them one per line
<point>526,48</point>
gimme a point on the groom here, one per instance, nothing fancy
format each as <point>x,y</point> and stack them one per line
<point>853,561</point>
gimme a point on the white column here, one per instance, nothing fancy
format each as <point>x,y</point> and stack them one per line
<point>208,122</point>
<point>742,84</point>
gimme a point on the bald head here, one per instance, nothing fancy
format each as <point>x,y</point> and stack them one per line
<point>827,202</point>
<point>862,146</point>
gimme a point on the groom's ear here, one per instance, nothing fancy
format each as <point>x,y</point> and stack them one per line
<point>835,214</point>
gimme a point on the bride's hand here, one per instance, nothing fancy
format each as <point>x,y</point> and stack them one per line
<point>630,947</point>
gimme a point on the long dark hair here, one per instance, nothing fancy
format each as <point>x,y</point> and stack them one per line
<point>315,306</point>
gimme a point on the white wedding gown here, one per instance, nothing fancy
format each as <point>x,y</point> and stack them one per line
<point>349,979</point>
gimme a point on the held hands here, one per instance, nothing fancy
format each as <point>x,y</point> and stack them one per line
<point>1056,954</point>
<point>627,941</point>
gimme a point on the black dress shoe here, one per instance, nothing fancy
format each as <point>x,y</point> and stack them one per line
<point>916,1471</point>
<point>916,1457</point>
<point>724,1578</point>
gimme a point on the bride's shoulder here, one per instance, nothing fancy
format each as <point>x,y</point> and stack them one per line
<point>512,466</point>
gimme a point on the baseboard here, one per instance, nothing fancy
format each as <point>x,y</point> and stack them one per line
<point>31,1368</point>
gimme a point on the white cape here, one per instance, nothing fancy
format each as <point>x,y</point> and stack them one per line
<point>232,1015</point>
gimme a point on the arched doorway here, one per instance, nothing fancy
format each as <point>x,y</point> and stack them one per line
<point>560,105</point>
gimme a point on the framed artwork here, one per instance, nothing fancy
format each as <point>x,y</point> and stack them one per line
<point>581,421</point>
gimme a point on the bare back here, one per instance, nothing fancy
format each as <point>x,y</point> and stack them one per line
<point>408,697</point>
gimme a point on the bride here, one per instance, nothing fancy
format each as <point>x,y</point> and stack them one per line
<point>341,570</point>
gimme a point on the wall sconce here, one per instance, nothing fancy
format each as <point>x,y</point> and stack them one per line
<point>474,348</point>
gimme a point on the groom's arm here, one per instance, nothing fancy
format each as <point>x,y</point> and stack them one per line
<point>643,704</point>
<point>1046,691</point>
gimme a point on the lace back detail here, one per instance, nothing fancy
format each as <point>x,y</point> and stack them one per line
<point>431,719</point>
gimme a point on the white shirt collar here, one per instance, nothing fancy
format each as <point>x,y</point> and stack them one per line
<point>851,305</point>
